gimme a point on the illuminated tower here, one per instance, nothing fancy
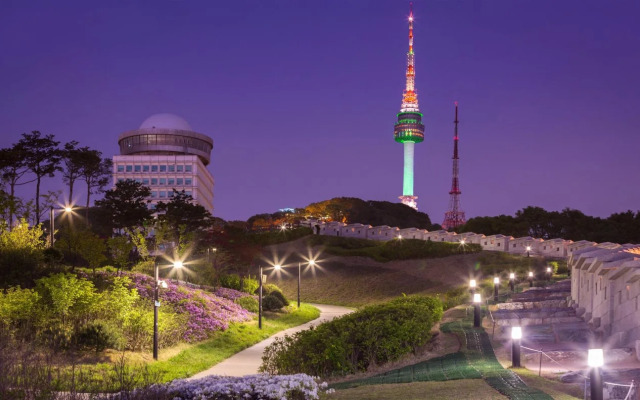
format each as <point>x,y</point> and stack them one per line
<point>455,216</point>
<point>409,129</point>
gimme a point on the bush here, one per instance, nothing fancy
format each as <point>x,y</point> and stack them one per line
<point>249,303</point>
<point>234,281</point>
<point>272,303</point>
<point>95,336</point>
<point>559,267</point>
<point>278,294</point>
<point>371,336</point>
<point>269,288</point>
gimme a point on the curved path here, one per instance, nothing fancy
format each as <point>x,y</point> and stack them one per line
<point>248,360</point>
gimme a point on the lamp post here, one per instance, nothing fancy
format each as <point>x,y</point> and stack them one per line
<point>530,278</point>
<point>52,219</point>
<point>462,243</point>
<point>528,251</point>
<point>477,299</point>
<point>516,336</point>
<point>549,273</point>
<point>512,281</point>
<point>472,285</point>
<point>156,301</point>
<point>496,285</point>
<point>298,284</point>
<point>260,279</point>
<point>595,361</point>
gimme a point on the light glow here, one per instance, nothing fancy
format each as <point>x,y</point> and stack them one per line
<point>178,264</point>
<point>530,274</point>
<point>512,276</point>
<point>549,269</point>
<point>496,280</point>
<point>516,332</point>
<point>68,209</point>
<point>477,298</point>
<point>528,248</point>
<point>595,358</point>
<point>472,283</point>
<point>312,263</point>
<point>462,242</point>
<point>277,267</point>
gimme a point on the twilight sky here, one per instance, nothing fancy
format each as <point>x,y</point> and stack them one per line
<point>300,97</point>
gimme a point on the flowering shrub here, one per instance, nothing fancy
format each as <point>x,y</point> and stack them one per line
<point>230,294</point>
<point>206,312</point>
<point>261,386</point>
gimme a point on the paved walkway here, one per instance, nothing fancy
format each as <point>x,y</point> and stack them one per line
<point>248,361</point>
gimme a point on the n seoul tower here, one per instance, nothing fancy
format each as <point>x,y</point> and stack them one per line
<point>409,129</point>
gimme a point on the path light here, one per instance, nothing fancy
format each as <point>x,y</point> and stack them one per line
<point>595,361</point>
<point>52,214</point>
<point>496,284</point>
<point>530,278</point>
<point>512,281</point>
<point>516,336</point>
<point>472,285</point>
<point>477,299</point>
<point>178,264</point>
<point>549,273</point>
<point>277,267</point>
<point>528,251</point>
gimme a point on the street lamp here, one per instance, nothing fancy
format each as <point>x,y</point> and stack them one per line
<point>549,273</point>
<point>52,219</point>
<point>512,281</point>
<point>472,285</point>
<point>496,284</point>
<point>477,299</point>
<point>530,278</point>
<point>528,251</point>
<point>156,301</point>
<point>462,243</point>
<point>595,360</point>
<point>516,335</point>
<point>262,279</point>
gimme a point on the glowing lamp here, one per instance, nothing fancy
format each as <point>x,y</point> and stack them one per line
<point>595,358</point>
<point>477,298</point>
<point>163,284</point>
<point>512,276</point>
<point>277,267</point>
<point>548,270</point>
<point>528,248</point>
<point>462,241</point>
<point>530,274</point>
<point>399,236</point>
<point>516,332</point>
<point>496,280</point>
<point>312,263</point>
<point>472,283</point>
<point>177,264</point>
<point>68,209</point>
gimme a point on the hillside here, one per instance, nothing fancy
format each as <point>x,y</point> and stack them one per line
<point>355,281</point>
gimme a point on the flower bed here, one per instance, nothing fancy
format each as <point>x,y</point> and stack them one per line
<point>261,386</point>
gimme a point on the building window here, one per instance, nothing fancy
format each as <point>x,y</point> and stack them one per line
<point>163,181</point>
<point>145,182</point>
<point>188,192</point>
<point>120,180</point>
<point>145,168</point>
<point>514,245</point>
<point>120,168</point>
<point>170,181</point>
<point>154,194</point>
<point>163,168</point>
<point>558,249</point>
<point>170,193</point>
<point>171,168</point>
<point>163,193</point>
<point>138,180</point>
<point>179,168</point>
<point>152,206</point>
<point>154,181</point>
<point>129,168</point>
<point>485,243</point>
<point>179,181</point>
<point>137,168</point>
<point>187,168</point>
<point>499,244</point>
<point>154,168</point>
<point>188,182</point>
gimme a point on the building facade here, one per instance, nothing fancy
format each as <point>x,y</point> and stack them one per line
<point>166,154</point>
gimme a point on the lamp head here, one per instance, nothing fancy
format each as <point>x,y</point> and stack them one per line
<point>530,274</point>
<point>496,280</point>
<point>312,263</point>
<point>277,267</point>
<point>512,276</point>
<point>477,299</point>
<point>549,270</point>
<point>595,358</point>
<point>68,209</point>
<point>528,248</point>
<point>516,332</point>
<point>472,283</point>
<point>462,242</point>
<point>177,264</point>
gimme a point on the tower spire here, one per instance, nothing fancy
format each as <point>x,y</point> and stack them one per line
<point>409,129</point>
<point>454,217</point>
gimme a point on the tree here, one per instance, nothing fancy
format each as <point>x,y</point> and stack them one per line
<point>120,248</point>
<point>181,213</point>
<point>96,173</point>
<point>92,249</point>
<point>42,158</point>
<point>20,254</point>
<point>13,167</point>
<point>126,204</point>
<point>75,159</point>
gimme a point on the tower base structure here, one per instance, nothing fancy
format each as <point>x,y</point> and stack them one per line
<point>411,201</point>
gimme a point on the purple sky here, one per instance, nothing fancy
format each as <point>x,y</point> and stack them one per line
<point>300,97</point>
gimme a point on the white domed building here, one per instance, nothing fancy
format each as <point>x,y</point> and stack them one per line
<point>165,153</point>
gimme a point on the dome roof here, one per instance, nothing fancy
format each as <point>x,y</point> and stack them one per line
<point>166,121</point>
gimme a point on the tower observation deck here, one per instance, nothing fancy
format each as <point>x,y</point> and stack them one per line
<point>409,129</point>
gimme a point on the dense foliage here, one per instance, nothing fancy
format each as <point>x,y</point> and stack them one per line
<point>397,249</point>
<point>373,335</point>
<point>21,254</point>
<point>353,210</point>
<point>568,224</point>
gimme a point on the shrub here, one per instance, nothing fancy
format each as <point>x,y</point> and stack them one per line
<point>272,303</point>
<point>278,294</point>
<point>269,288</point>
<point>95,336</point>
<point>373,335</point>
<point>249,303</point>
<point>234,281</point>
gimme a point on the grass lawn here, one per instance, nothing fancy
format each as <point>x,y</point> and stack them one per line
<point>476,389</point>
<point>557,390</point>
<point>192,359</point>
